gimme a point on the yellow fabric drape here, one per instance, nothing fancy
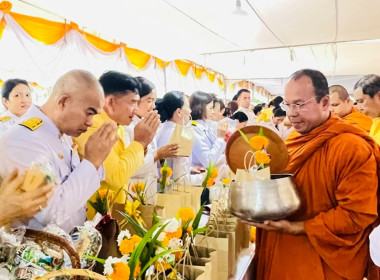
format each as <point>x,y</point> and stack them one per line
<point>211,76</point>
<point>198,71</point>
<point>136,57</point>
<point>161,63</point>
<point>45,31</point>
<point>101,44</point>
<point>182,66</point>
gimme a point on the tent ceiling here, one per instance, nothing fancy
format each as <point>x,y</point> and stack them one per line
<point>255,45</point>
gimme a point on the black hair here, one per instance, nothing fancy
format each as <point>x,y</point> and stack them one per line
<point>117,83</point>
<point>198,103</point>
<point>277,101</point>
<point>321,87</point>
<point>217,100</point>
<point>146,86</point>
<point>257,109</point>
<point>278,112</point>
<point>9,85</point>
<point>240,92</point>
<point>240,116</point>
<point>270,103</point>
<point>167,105</point>
<point>370,84</point>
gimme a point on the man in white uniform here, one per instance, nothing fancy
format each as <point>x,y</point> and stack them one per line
<point>244,101</point>
<point>44,135</point>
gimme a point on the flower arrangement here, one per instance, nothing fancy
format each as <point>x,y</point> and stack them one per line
<point>166,172</point>
<point>138,192</point>
<point>103,201</point>
<point>258,144</point>
<point>211,175</point>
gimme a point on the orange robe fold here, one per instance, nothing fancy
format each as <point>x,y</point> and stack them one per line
<point>359,120</point>
<point>335,169</point>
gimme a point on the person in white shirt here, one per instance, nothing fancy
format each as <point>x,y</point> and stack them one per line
<point>243,98</point>
<point>148,172</point>
<point>17,100</point>
<point>45,134</point>
<point>274,123</point>
<point>174,110</point>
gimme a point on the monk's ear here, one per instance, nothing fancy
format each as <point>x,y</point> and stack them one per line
<point>63,101</point>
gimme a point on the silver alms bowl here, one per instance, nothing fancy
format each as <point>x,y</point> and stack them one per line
<point>262,200</point>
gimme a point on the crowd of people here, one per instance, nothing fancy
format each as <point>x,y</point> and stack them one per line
<point>102,133</point>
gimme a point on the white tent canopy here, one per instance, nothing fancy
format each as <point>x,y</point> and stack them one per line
<point>264,39</point>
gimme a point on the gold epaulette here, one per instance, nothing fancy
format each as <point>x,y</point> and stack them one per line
<point>32,123</point>
<point>194,123</point>
<point>5,118</point>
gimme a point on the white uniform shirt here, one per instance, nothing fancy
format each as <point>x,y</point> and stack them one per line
<point>147,173</point>
<point>7,120</point>
<point>207,147</point>
<point>181,166</point>
<point>252,118</point>
<point>78,181</point>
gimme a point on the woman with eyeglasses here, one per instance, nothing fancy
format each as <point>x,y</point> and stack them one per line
<point>17,100</point>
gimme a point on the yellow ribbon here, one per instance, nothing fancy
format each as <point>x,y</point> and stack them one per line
<point>132,211</point>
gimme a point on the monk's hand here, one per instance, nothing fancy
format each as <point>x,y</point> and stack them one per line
<point>282,226</point>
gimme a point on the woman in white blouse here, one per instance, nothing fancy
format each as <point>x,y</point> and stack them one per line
<point>174,110</point>
<point>17,100</point>
<point>148,171</point>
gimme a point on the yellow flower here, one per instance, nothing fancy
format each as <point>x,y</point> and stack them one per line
<point>226,181</point>
<point>166,240</point>
<point>210,182</point>
<point>137,270</point>
<point>253,234</point>
<point>176,234</point>
<point>169,171</point>
<point>128,245</point>
<point>102,193</point>
<point>121,271</point>
<point>189,229</point>
<point>258,142</point>
<point>138,187</point>
<point>178,255</point>
<point>185,214</point>
<point>214,173</point>
<point>161,266</point>
<point>262,157</point>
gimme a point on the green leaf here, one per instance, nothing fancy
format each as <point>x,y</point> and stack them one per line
<point>102,261</point>
<point>140,231</point>
<point>155,218</point>
<point>261,131</point>
<point>155,258</point>
<point>139,249</point>
<point>200,230</point>
<point>244,137</point>
<point>185,226</point>
<point>198,217</point>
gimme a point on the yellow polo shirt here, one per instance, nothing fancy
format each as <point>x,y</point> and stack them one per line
<point>122,162</point>
<point>375,130</point>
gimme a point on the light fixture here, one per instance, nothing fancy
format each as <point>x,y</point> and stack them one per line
<point>239,10</point>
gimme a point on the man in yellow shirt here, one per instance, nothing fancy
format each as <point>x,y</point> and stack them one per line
<point>367,94</point>
<point>121,97</point>
<point>342,106</point>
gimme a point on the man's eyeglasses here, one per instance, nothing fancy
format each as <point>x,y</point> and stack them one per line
<point>297,107</point>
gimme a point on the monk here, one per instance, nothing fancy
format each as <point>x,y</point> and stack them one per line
<point>334,165</point>
<point>367,94</point>
<point>342,106</point>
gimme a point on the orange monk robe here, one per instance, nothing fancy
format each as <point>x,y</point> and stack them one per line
<point>359,120</point>
<point>335,170</point>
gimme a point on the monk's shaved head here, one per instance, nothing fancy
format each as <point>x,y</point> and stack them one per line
<point>75,81</point>
<point>342,92</point>
<point>76,97</point>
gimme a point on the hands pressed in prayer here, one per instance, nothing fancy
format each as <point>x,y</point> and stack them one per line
<point>167,151</point>
<point>284,226</point>
<point>146,129</point>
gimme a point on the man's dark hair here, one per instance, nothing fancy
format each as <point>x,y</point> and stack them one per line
<point>278,112</point>
<point>257,109</point>
<point>240,116</point>
<point>370,84</point>
<point>277,101</point>
<point>117,83</point>
<point>321,87</point>
<point>240,92</point>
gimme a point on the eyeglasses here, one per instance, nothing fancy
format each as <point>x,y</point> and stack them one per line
<point>298,107</point>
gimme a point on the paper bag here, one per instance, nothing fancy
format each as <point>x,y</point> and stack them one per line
<point>242,237</point>
<point>245,176</point>
<point>184,137</point>
<point>220,241</point>
<point>195,192</point>
<point>147,215</point>
<point>172,202</point>
<point>219,266</point>
<point>190,272</point>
